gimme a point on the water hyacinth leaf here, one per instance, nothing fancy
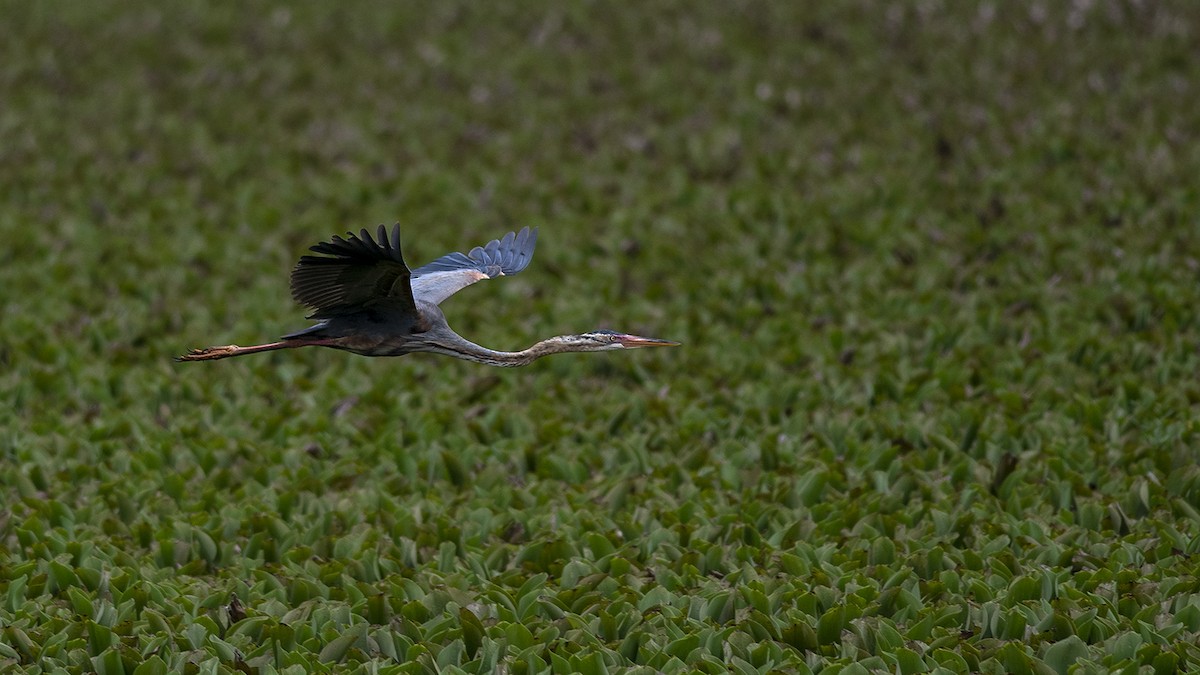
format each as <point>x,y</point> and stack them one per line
<point>720,607</point>
<point>551,610</point>
<point>197,635</point>
<point>63,576</point>
<point>630,647</point>
<point>335,650</point>
<point>1166,662</point>
<point>109,662</point>
<point>90,578</point>
<point>1022,589</point>
<point>251,627</point>
<point>206,546</point>
<point>683,647</point>
<point>656,596</point>
<point>80,602</point>
<point>920,421</point>
<point>224,650</point>
<point>378,609</point>
<point>883,551</point>
<point>472,631</point>
<point>154,665</point>
<point>518,636</point>
<point>908,661</point>
<point>14,598</point>
<point>451,655</point>
<point>830,625</point>
<point>1063,654</point>
<point>1012,625</point>
<point>19,640</point>
<point>100,638</point>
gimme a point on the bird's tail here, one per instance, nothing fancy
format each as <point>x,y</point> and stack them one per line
<point>214,353</point>
<point>310,332</point>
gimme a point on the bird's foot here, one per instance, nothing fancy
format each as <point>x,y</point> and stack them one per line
<point>209,353</point>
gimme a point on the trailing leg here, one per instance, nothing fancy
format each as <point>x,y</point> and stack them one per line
<point>213,353</point>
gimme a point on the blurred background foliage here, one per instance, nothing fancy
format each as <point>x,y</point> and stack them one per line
<point>934,264</point>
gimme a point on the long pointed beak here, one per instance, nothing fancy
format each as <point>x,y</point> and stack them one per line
<point>629,341</point>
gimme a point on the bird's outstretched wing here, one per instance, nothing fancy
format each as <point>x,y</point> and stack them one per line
<point>453,272</point>
<point>357,274</point>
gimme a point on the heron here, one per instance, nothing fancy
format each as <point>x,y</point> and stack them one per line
<point>367,301</point>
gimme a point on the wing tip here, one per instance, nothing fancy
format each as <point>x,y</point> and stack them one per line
<point>361,245</point>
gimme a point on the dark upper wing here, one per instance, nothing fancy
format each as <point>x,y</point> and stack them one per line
<point>356,274</point>
<point>450,273</point>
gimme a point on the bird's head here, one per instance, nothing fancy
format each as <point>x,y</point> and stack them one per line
<point>605,340</point>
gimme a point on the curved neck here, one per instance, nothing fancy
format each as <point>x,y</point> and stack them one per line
<point>465,349</point>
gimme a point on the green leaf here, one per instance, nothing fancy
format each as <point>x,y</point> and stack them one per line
<point>336,649</point>
<point>197,635</point>
<point>64,577</point>
<point>224,650</point>
<point>472,631</point>
<point>100,638</point>
<point>908,661</point>
<point>81,603</point>
<point>683,647</point>
<point>1022,589</point>
<point>15,597</point>
<point>830,625</point>
<point>654,597</point>
<point>451,654</point>
<point>1166,662</point>
<point>109,662</point>
<point>1015,660</point>
<point>721,607</point>
<point>20,640</point>
<point>1062,654</point>
<point>801,636</point>
<point>883,551</point>
<point>518,636</point>
<point>152,666</point>
<point>951,660</point>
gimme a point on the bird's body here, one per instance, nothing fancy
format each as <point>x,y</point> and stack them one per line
<point>368,302</point>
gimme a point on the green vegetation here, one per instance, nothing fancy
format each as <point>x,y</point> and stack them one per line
<point>934,264</point>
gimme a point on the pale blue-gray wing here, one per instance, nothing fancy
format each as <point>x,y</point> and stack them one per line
<point>453,272</point>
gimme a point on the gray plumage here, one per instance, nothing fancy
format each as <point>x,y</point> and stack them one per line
<point>367,301</point>
<point>438,280</point>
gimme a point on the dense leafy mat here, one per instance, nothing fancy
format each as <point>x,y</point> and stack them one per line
<point>935,266</point>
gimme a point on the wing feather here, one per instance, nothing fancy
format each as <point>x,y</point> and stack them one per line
<point>355,274</point>
<point>441,278</point>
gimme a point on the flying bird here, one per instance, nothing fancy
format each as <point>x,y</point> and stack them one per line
<point>367,301</point>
